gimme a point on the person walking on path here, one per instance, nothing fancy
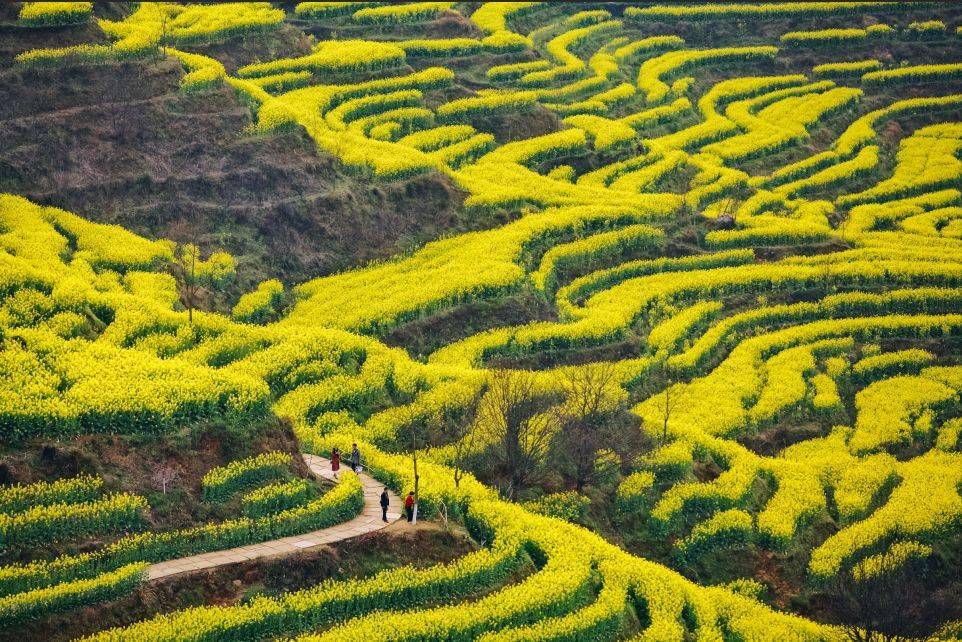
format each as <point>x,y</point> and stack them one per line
<point>355,458</point>
<point>409,506</point>
<point>335,461</point>
<point>385,502</point>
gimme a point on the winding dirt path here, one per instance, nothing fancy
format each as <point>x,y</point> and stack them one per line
<point>368,521</point>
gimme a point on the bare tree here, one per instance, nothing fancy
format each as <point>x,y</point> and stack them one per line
<point>416,437</point>
<point>730,208</point>
<point>164,476</point>
<point>584,418</point>
<point>417,482</point>
<point>420,436</point>
<point>667,399</point>
<point>185,264</point>
<point>510,415</point>
<point>164,19</point>
<point>728,216</point>
<point>892,605</point>
<point>194,275</point>
<point>123,114</point>
<point>458,427</point>
<point>463,446</point>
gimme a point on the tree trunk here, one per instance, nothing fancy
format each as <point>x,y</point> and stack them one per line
<point>517,479</point>
<point>582,473</point>
<point>191,290</point>
<point>667,416</point>
<point>417,479</point>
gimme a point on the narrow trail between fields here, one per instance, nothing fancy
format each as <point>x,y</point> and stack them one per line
<point>367,522</point>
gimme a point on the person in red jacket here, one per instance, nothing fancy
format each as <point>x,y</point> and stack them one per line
<point>335,461</point>
<point>409,506</point>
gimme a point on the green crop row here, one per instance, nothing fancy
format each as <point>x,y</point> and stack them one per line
<point>18,498</point>
<point>220,483</point>
<point>53,14</point>
<point>61,598</point>
<point>60,522</point>
<point>275,498</point>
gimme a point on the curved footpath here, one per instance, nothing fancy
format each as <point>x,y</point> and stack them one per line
<point>368,521</point>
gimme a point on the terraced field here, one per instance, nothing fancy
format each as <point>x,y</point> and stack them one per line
<point>746,221</point>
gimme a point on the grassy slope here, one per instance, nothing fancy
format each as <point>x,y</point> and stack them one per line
<point>121,144</point>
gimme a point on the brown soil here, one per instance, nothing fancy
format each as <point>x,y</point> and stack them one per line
<point>769,571</point>
<point>423,336</point>
<point>121,144</point>
<point>772,441</point>
<point>285,42</point>
<point>546,359</point>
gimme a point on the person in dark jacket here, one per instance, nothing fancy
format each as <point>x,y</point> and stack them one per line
<point>385,502</point>
<point>409,506</point>
<point>355,458</point>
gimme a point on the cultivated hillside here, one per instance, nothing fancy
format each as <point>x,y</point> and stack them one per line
<point>656,308</point>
